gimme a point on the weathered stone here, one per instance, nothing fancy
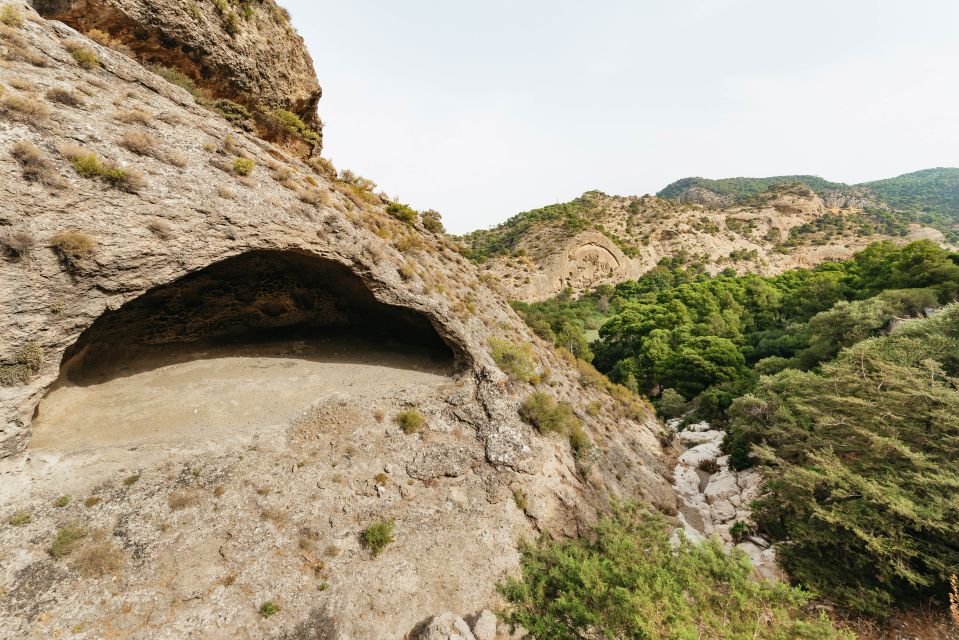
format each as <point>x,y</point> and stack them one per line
<point>446,626</point>
<point>484,628</point>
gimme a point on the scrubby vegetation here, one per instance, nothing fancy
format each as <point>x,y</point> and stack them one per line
<point>709,338</point>
<point>515,360</point>
<point>82,54</point>
<point>243,166</point>
<point>73,246</point>
<point>410,421</point>
<point>88,165</point>
<point>377,536</point>
<point>26,363</point>
<point>628,581</point>
<point>543,412</point>
<point>269,609</point>
<point>66,540</point>
<point>848,408</point>
<point>861,465</point>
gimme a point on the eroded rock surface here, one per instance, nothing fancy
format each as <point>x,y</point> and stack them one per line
<point>247,52</point>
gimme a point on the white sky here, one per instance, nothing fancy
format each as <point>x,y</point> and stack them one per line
<point>484,109</point>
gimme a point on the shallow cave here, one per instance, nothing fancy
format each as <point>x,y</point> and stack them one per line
<point>256,298</point>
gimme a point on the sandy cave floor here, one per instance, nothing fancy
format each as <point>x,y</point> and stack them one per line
<point>184,399</point>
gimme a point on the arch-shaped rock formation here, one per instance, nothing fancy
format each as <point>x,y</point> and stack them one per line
<point>254,296</point>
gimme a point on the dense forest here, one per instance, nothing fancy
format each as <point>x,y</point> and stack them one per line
<point>678,334</point>
<point>841,383</point>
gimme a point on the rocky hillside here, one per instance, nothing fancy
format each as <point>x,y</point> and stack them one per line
<point>761,225</point>
<point>153,250</point>
<point>243,58</point>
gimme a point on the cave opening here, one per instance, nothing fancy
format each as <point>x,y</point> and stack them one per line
<point>250,340</point>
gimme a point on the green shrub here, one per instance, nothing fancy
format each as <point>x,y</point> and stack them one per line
<point>243,166</point>
<point>61,502</point>
<point>515,360</point>
<point>628,581</point>
<point>88,165</point>
<point>84,55</point>
<point>548,416</point>
<point>269,608</point>
<point>177,77</point>
<point>66,539</point>
<point>290,123</point>
<point>21,517</point>
<point>402,212</point>
<point>861,466</point>
<point>410,421</point>
<point>671,404</point>
<point>376,536</point>
<point>432,221</point>
<point>11,16</point>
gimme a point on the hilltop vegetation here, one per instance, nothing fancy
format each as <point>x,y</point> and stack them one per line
<point>929,191</point>
<point>742,189</point>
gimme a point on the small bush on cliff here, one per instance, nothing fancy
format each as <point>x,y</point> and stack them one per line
<point>27,362</point>
<point>36,168</point>
<point>11,16</point>
<point>243,166</point>
<point>515,360</point>
<point>377,536</point>
<point>66,540</point>
<point>286,122</point>
<point>432,221</point>
<point>88,165</point>
<point>627,581</point>
<point>84,55</point>
<point>73,246</point>
<point>410,421</point>
<point>402,212</point>
<point>540,410</point>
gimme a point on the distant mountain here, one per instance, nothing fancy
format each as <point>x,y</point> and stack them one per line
<point>762,225</point>
<point>741,189</point>
<point>932,192</point>
<point>927,191</point>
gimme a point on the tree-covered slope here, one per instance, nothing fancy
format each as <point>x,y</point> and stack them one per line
<point>740,189</point>
<point>930,190</point>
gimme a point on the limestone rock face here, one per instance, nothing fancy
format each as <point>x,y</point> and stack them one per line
<point>248,53</point>
<point>170,426</point>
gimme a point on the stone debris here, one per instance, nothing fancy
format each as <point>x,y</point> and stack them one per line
<point>713,497</point>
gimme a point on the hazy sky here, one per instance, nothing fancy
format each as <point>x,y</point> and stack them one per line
<point>484,109</point>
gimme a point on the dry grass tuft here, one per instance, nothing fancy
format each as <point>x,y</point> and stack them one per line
<point>98,557</point>
<point>176,158</point>
<point>183,498</point>
<point>35,167</point>
<point>24,109</point>
<point>134,116</point>
<point>11,16</point>
<point>18,49</point>
<point>73,246</point>
<point>139,142</point>
<point>224,192</point>
<point>82,54</point>
<point>65,96</point>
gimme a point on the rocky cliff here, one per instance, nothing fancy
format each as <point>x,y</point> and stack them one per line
<point>602,239</point>
<point>246,52</point>
<point>241,398</point>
